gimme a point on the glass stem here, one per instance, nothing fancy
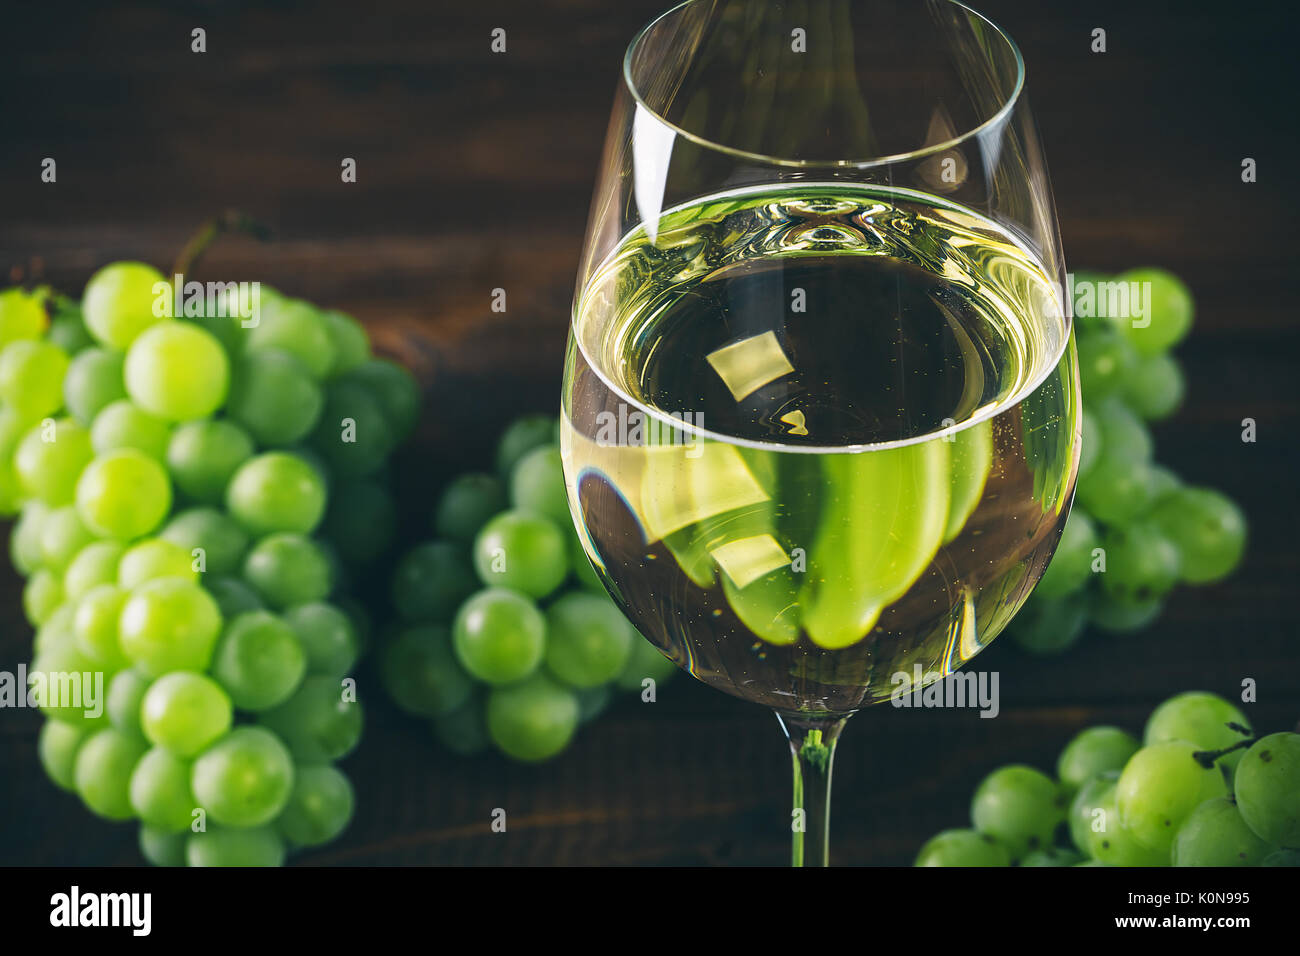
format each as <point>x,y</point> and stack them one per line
<point>812,749</point>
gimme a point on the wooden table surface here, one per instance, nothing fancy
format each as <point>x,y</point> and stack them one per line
<point>474,172</point>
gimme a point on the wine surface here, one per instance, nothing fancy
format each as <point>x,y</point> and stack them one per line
<point>821,438</point>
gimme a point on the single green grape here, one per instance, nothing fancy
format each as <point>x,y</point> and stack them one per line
<point>123,494</point>
<point>1123,434</point>
<point>1268,789</point>
<point>521,551</point>
<point>245,778</point>
<point>230,846</point>
<point>259,660</point>
<point>274,397</point>
<point>169,624</point>
<point>1020,807</point>
<point>57,628</point>
<point>185,712</point>
<point>962,848</point>
<point>395,389</point>
<point>42,596</point>
<point>1071,565</point>
<point>1048,626</point>
<point>49,460</point>
<point>420,673</point>
<point>121,301</point>
<point>22,315</point>
<point>124,700</point>
<point>93,382</point>
<point>160,791</point>
<point>276,491</point>
<point>1208,529</point>
<point>321,722</point>
<point>520,437</point>
<point>31,377</point>
<point>153,558</point>
<point>1088,806</point>
<point>588,640</point>
<point>232,595</point>
<point>1156,387</point>
<point>1160,785</point>
<point>25,540</point>
<point>431,581</point>
<point>319,807</point>
<point>1142,564</point>
<point>57,747</point>
<point>103,769</point>
<point>1116,490</point>
<point>13,427</point>
<point>123,424</point>
<point>294,326</point>
<point>499,636</point>
<point>1214,834</point>
<point>95,564</point>
<point>63,536</point>
<point>1111,842</point>
<point>467,504</point>
<point>177,371</point>
<point>1092,751</point>
<point>288,569</point>
<point>160,848</point>
<point>328,637</point>
<point>1171,311</point>
<point>68,331</point>
<point>211,540</point>
<point>532,720</point>
<point>537,485</point>
<point>1201,718</point>
<point>1106,360</point>
<point>57,684</point>
<point>204,455</point>
<point>353,433</point>
<point>646,662</point>
<point>351,343</point>
<point>95,625</point>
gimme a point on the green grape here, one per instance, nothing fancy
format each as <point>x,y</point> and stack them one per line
<point>185,712</point>
<point>394,388</point>
<point>327,635</point>
<point>93,381</point>
<point>203,456</point>
<point>588,640</point>
<point>25,540</point>
<point>521,551</point>
<point>95,625</point>
<point>537,484</point>
<point>1071,565</point>
<point>68,332</point>
<point>361,521</point>
<point>1141,564</point>
<point>464,731</point>
<point>1092,751</point>
<point>228,846</point>
<point>123,494</point>
<point>962,848</point>
<point>294,326</point>
<point>160,791</point>
<point>592,702</point>
<point>1171,311</point>
<point>50,458</point>
<point>1093,794</point>
<point>646,662</point>
<point>57,628</point>
<point>431,581</point>
<point>1055,856</point>
<point>208,538</point>
<point>31,377</point>
<point>12,429</point>
<point>288,569</point>
<point>1159,786</point>
<point>63,535</point>
<point>1155,388</point>
<point>232,595</point>
<point>467,504</point>
<point>1208,529</point>
<point>1116,490</point>
<point>95,564</point>
<point>154,558</point>
<point>420,672</point>
<point>353,432</point>
<point>320,722</point>
<point>1201,718</point>
<point>1049,626</point>
<point>274,397</point>
<point>1268,789</point>
<point>22,315</point>
<point>42,596</point>
<point>522,436</point>
<point>1020,807</point>
<point>161,848</point>
<point>499,636</point>
<point>57,684</point>
<point>103,770</point>
<point>125,697</point>
<point>319,807</point>
<point>259,660</point>
<point>276,491</point>
<point>245,778</point>
<point>1114,616</point>
<point>119,302</point>
<point>351,343</point>
<point>1214,834</point>
<point>1164,482</point>
<point>177,371</point>
<point>124,425</point>
<point>533,720</point>
<point>1090,446</point>
<point>1105,362</point>
<point>1113,843</point>
<point>57,747</point>
<point>168,625</point>
<point>1282,858</point>
<point>1123,435</point>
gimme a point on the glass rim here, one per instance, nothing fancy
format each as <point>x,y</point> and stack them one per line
<point>997,118</point>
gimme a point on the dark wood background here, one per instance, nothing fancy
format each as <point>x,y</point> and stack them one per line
<point>475,172</point>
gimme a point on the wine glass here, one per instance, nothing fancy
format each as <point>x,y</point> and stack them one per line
<point>821,419</point>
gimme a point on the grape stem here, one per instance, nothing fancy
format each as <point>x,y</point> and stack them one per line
<point>1207,758</point>
<point>230,221</point>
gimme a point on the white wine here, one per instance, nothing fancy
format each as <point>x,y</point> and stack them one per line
<point>817,435</point>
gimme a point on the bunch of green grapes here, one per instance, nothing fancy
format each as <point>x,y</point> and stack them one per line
<point>1135,530</point>
<point>507,637</point>
<point>176,482</point>
<point>1198,790</point>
